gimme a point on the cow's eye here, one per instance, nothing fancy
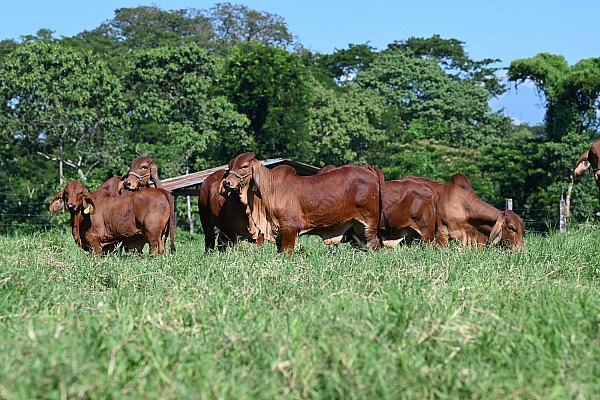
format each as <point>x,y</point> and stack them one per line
<point>144,167</point>
<point>511,228</point>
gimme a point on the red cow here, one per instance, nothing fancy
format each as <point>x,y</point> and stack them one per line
<point>326,204</point>
<point>143,172</point>
<point>221,208</point>
<point>463,216</point>
<point>459,179</point>
<point>410,207</point>
<point>409,204</point>
<point>591,158</point>
<point>98,220</point>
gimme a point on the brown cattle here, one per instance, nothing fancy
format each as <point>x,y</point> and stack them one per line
<point>589,159</point>
<point>98,220</point>
<point>326,205</point>
<point>221,208</point>
<point>463,216</point>
<point>459,179</point>
<point>143,172</point>
<point>410,207</point>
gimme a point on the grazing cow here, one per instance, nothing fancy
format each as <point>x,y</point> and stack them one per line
<point>459,179</point>
<point>463,216</point>
<point>410,207</point>
<point>143,172</point>
<point>98,220</point>
<point>409,204</point>
<point>326,204</point>
<point>591,158</point>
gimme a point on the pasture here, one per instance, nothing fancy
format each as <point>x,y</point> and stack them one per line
<point>416,322</point>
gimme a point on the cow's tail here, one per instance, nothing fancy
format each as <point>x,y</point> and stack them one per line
<point>382,214</point>
<point>171,220</point>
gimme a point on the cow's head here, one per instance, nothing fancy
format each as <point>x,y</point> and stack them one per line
<point>143,172</point>
<point>508,231</point>
<point>74,196</point>
<point>239,171</point>
<point>589,159</point>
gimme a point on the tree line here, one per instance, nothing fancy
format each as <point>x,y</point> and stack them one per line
<point>193,88</point>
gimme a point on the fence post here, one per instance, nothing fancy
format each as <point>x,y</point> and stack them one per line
<point>508,204</point>
<point>562,208</point>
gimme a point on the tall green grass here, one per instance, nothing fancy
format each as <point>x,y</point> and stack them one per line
<point>328,322</point>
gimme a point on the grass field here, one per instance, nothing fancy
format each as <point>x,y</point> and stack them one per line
<point>328,322</point>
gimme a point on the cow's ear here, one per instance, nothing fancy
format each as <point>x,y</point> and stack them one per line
<point>582,165</point>
<point>496,233</point>
<point>121,183</point>
<point>57,202</point>
<point>254,181</point>
<point>88,203</point>
<point>154,175</point>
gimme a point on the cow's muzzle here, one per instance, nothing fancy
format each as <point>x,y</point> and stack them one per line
<point>129,186</point>
<point>240,184</point>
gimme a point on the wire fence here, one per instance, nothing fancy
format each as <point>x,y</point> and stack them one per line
<point>34,215</point>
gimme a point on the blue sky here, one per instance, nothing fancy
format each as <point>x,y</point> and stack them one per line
<point>502,29</point>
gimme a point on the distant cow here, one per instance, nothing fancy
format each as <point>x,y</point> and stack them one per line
<point>326,204</point>
<point>98,220</point>
<point>589,159</point>
<point>463,216</point>
<point>143,172</point>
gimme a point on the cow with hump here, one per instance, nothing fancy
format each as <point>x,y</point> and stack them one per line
<point>99,220</point>
<point>463,216</point>
<point>326,205</point>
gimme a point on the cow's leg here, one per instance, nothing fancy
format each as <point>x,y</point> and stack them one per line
<point>223,241</point>
<point>286,240</point>
<point>94,241</point>
<point>209,237</point>
<point>371,233</point>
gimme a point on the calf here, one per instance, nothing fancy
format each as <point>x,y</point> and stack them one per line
<point>98,220</point>
<point>326,204</point>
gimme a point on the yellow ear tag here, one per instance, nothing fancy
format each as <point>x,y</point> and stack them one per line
<point>87,210</point>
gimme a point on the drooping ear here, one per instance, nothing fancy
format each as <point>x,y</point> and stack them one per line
<point>582,165</point>
<point>154,175</point>
<point>88,203</point>
<point>57,202</point>
<point>255,181</point>
<point>496,233</point>
<point>121,183</point>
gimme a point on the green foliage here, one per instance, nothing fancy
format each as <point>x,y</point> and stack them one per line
<point>415,322</point>
<point>572,94</point>
<point>272,88</point>
<point>452,57</point>
<point>236,23</point>
<point>343,126</point>
<point>60,104</point>
<point>177,110</point>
